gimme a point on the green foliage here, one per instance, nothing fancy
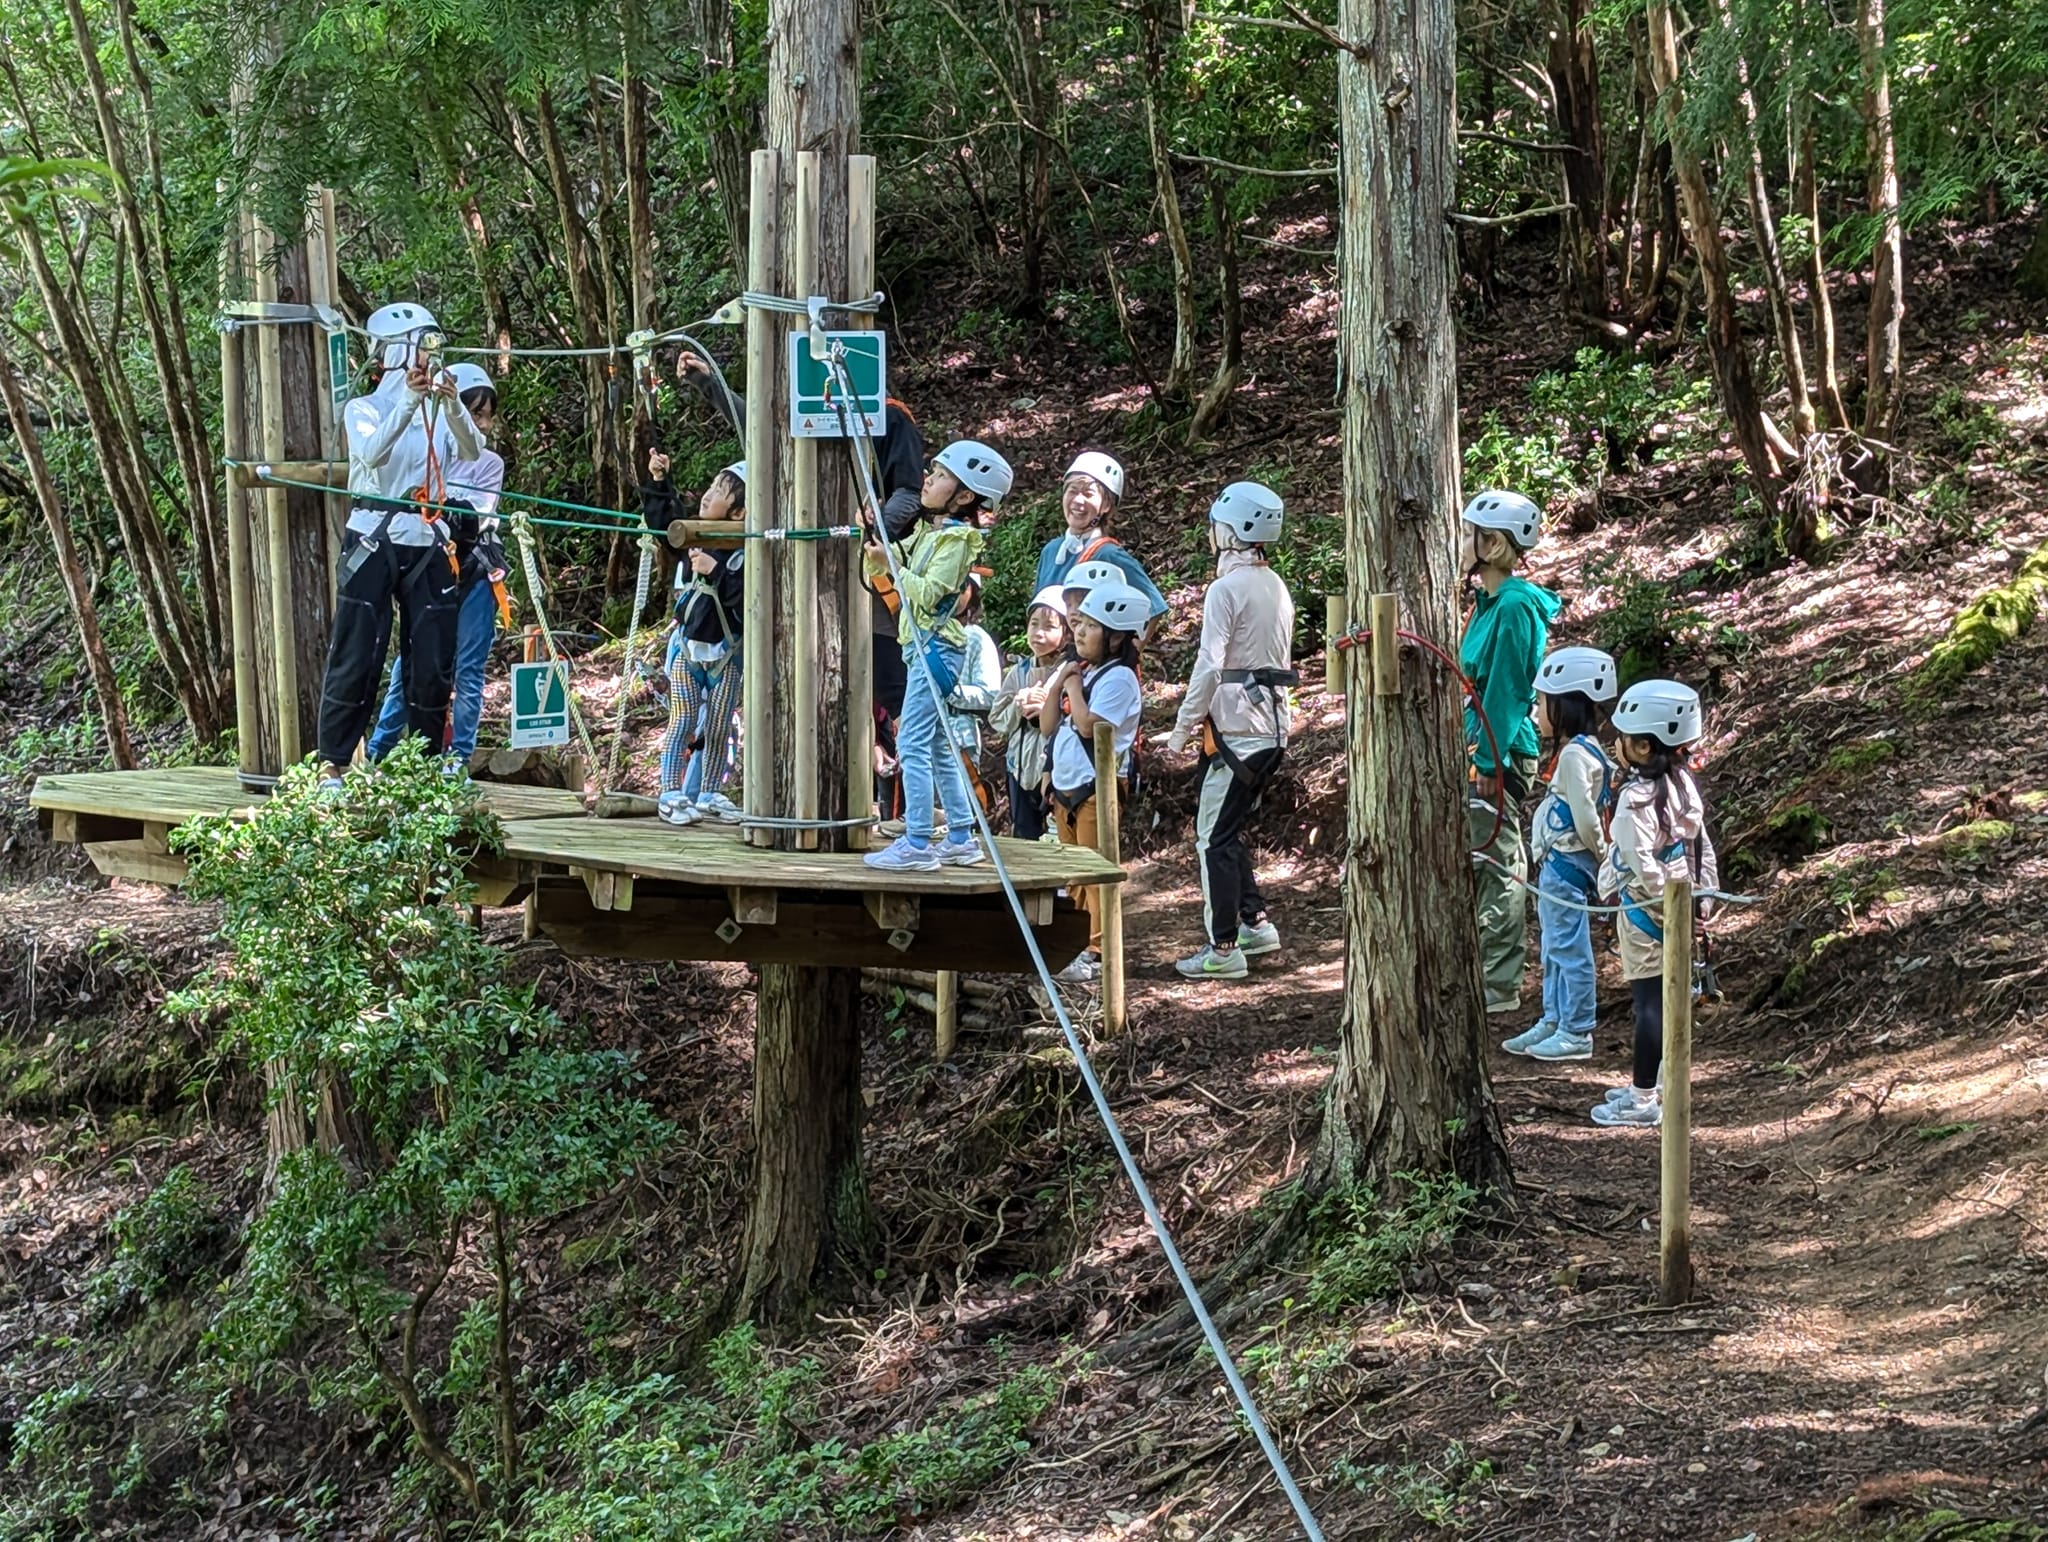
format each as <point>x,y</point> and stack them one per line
<point>1865,756</point>
<point>1364,1247</point>
<point>1607,406</point>
<point>357,977</point>
<point>1530,462</point>
<point>1011,549</point>
<point>1985,625</point>
<point>743,1459</point>
<point>161,1241</point>
<point>1440,1494</point>
<point>1642,622</point>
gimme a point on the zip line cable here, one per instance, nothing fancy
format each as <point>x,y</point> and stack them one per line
<point>1218,1346</point>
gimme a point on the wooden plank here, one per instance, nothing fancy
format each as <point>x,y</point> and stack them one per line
<point>753,907</point>
<point>235,441</point>
<point>1336,622</point>
<point>607,890</point>
<point>270,446</point>
<point>894,912</point>
<point>711,534</point>
<point>802,665</point>
<point>172,796</point>
<point>75,829</point>
<point>1037,905</point>
<point>713,855</point>
<point>1674,1245</point>
<point>764,333</point>
<point>671,923</point>
<point>860,634</point>
<point>128,859</point>
<point>1384,617</point>
<point>500,881</point>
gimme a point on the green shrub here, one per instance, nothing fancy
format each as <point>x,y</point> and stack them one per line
<point>1607,406</point>
<point>1365,1247</point>
<point>161,1241</point>
<point>1643,622</point>
<point>1530,462</point>
<point>1012,549</point>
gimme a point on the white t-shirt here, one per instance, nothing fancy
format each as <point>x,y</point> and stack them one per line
<point>1113,693</point>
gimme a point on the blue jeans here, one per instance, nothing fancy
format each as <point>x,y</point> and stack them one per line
<point>476,628</point>
<point>921,746</point>
<point>1565,938</point>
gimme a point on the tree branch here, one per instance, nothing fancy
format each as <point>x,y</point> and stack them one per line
<point>1533,145</point>
<point>1495,221</point>
<point>1255,171</point>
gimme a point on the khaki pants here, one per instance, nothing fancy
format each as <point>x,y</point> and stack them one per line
<point>1503,903</point>
<point>1077,828</point>
<point>1642,956</point>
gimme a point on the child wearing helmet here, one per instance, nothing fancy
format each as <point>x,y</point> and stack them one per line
<point>1568,842</point>
<point>402,439</point>
<point>482,600</point>
<point>1075,586</point>
<point>1237,707</point>
<point>1089,496</point>
<point>931,576</point>
<point>1100,684</point>
<point>974,693</point>
<point>703,663</point>
<point>1659,833</point>
<point>1505,639</point>
<point>1014,713</point>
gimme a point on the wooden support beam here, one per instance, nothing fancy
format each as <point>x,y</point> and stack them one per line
<point>270,446</point>
<point>607,890</point>
<point>129,859</point>
<point>711,534</point>
<point>1385,621</point>
<point>235,441</point>
<point>323,288</point>
<point>763,459</point>
<point>500,880</point>
<point>1109,841</point>
<point>945,1014</point>
<point>860,632</point>
<point>320,471</point>
<point>1037,905</point>
<point>1336,622</point>
<point>156,838</point>
<point>801,557</point>
<point>754,907</point>
<point>71,828</point>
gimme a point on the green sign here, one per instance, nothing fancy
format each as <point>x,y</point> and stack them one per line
<point>337,370</point>
<point>540,705</point>
<point>814,384</point>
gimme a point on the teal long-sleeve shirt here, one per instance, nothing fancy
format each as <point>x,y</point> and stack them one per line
<point>1504,642</point>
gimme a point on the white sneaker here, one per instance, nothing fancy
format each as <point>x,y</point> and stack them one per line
<point>901,857</point>
<point>963,853</point>
<point>1501,1006</point>
<point>716,805</point>
<point>1085,970</point>
<point>1564,1046</point>
<point>1529,1038</point>
<point>676,809</point>
<point>1626,1092</point>
<point>1209,964</point>
<point>1255,940</point>
<point>1643,1110</point>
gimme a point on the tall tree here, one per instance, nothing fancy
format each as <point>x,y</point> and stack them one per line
<point>1887,259</point>
<point>1410,1093</point>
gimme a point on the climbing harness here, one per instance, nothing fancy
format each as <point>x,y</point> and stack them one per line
<point>1210,1332</point>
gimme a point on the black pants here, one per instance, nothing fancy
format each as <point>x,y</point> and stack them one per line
<point>424,586</point>
<point>1648,999</point>
<point>1027,810</point>
<point>892,675</point>
<point>1230,889</point>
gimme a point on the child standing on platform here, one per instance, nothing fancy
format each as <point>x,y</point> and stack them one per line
<point>1659,833</point>
<point>974,693</point>
<point>704,660</point>
<point>1567,843</point>
<point>1014,714</point>
<point>1098,685</point>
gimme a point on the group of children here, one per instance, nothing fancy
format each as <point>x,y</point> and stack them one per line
<point>1610,830</point>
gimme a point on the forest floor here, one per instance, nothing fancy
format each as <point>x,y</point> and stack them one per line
<point>1869,1337</point>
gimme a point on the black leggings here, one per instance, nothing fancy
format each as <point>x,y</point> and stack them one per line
<point>422,584</point>
<point>1648,996</point>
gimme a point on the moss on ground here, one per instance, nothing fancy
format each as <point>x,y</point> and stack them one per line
<point>1984,626</point>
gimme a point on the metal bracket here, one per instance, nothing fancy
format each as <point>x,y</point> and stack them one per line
<point>728,931</point>
<point>901,940</point>
<point>233,315</point>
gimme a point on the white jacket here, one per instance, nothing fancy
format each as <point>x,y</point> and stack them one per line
<point>1247,623</point>
<point>981,675</point>
<point>1568,817</point>
<point>1643,857</point>
<point>387,449</point>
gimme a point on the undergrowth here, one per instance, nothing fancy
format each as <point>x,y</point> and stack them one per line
<point>1986,624</point>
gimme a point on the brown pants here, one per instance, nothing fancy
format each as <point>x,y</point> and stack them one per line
<point>1077,828</point>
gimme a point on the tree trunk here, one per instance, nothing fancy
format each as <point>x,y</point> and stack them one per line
<point>1034,155</point>
<point>1765,219</point>
<point>1215,402</point>
<point>809,1226</point>
<point>732,128</point>
<point>1725,345</point>
<point>1887,258</point>
<point>77,586</point>
<point>2033,275</point>
<point>1826,352</point>
<point>1575,86</point>
<point>1179,384</point>
<point>1410,1093</point>
<point>639,235</point>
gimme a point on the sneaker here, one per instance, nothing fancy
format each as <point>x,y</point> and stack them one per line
<point>331,789</point>
<point>1529,1038</point>
<point>676,809</point>
<point>1209,964</point>
<point>961,853</point>
<point>1643,1110</point>
<point>1255,940</point>
<point>1501,1006</point>
<point>1085,970</point>
<point>893,828</point>
<point>716,805</point>
<point>899,856</point>
<point>1564,1046</point>
<point>454,769</point>
<point>1626,1092</point>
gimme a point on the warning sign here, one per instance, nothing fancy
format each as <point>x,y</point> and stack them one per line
<point>338,381</point>
<point>813,385</point>
<point>540,706</point>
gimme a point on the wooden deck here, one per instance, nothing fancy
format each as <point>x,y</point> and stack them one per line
<point>638,888</point>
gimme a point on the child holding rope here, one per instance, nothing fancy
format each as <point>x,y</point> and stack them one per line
<point>1014,713</point>
<point>1660,833</point>
<point>1568,842</point>
<point>1098,685</point>
<point>704,662</point>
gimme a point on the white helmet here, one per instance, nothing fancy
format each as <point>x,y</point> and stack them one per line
<point>1662,710</point>
<point>1104,469</point>
<point>1510,513</point>
<point>399,322</point>
<point>1053,598</point>
<point>472,377</point>
<point>977,468</point>
<point>1118,606</point>
<point>739,469</point>
<point>1250,511</point>
<point>1586,670</point>
<point>1091,575</point>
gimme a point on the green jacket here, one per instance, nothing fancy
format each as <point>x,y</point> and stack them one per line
<point>935,562</point>
<point>1505,640</point>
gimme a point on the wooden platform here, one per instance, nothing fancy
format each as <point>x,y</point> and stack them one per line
<point>638,888</point>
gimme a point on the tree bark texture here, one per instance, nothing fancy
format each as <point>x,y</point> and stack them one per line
<point>1887,258</point>
<point>1410,1094</point>
<point>1575,86</point>
<point>639,234</point>
<point>1726,347</point>
<point>1179,385</point>
<point>809,1224</point>
<point>77,586</point>
<point>1826,351</point>
<point>1214,406</point>
<point>732,128</point>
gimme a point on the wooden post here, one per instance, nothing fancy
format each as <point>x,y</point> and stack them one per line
<point>1109,841</point>
<point>323,287</point>
<point>284,658</point>
<point>763,459</point>
<point>946,1012</point>
<point>800,754</point>
<point>1336,622</point>
<point>1384,617</point>
<point>235,439</point>
<point>860,633</point>
<point>1675,1250</point>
